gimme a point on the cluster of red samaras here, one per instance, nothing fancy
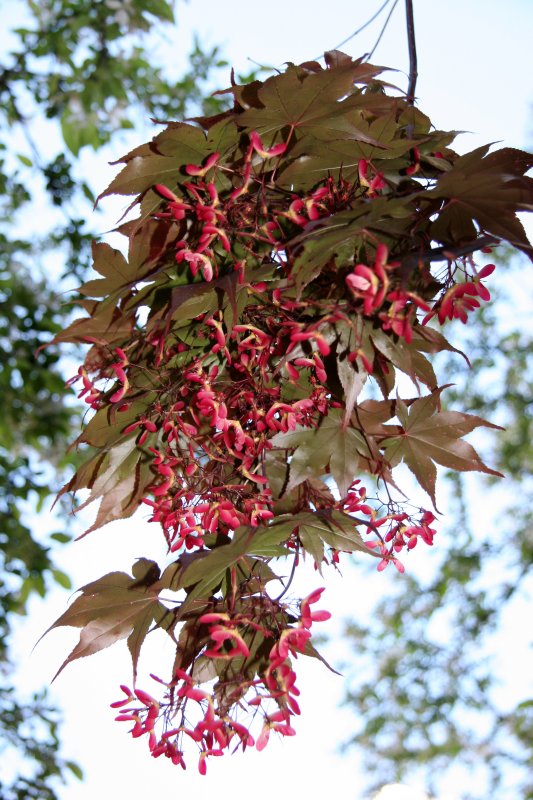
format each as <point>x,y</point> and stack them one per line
<point>228,415</point>
<point>188,712</point>
<point>245,413</point>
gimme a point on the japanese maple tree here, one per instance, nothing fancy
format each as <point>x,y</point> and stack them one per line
<point>288,259</point>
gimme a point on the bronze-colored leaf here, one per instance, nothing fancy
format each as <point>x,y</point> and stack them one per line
<point>489,188</point>
<point>109,609</point>
<point>430,436</point>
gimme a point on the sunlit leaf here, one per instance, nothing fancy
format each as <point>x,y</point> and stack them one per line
<point>431,436</point>
<point>109,609</point>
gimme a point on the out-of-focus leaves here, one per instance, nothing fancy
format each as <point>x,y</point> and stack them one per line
<point>30,727</point>
<point>423,673</point>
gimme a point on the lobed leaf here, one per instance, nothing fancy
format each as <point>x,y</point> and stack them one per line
<point>111,608</point>
<point>430,436</point>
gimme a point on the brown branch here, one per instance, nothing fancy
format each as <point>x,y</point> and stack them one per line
<point>411,43</point>
<point>446,253</point>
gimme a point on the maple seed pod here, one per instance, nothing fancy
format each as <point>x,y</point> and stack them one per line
<point>145,698</point>
<point>165,192</point>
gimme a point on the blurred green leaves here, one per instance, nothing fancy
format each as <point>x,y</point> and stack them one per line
<point>76,72</point>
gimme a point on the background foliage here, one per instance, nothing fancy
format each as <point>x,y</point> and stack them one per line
<point>426,677</point>
<point>76,73</point>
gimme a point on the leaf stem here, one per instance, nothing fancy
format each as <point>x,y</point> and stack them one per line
<point>413,259</point>
<point>291,576</point>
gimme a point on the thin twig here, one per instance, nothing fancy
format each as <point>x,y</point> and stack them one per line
<point>359,30</point>
<point>293,570</point>
<point>412,260</point>
<point>384,28</point>
<point>411,43</point>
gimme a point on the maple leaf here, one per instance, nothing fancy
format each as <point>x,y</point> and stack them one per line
<point>105,322</point>
<point>317,529</point>
<point>119,476</point>
<point>112,608</point>
<point>486,188</point>
<point>113,266</point>
<point>430,437</point>
<point>406,357</point>
<point>159,161</point>
<point>248,545</point>
<point>344,448</point>
<point>311,651</point>
<point>340,236</point>
<point>310,102</point>
<point>332,528</point>
<point>324,152</point>
<point>276,260</point>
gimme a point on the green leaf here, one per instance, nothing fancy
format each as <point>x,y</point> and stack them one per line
<point>62,578</point>
<point>161,9</point>
<point>310,539</point>
<point>342,447</point>
<point>71,132</point>
<point>63,538</point>
<point>338,238</point>
<point>86,189</point>
<point>25,160</point>
<point>75,769</point>
<point>187,302</point>
<point>208,569</point>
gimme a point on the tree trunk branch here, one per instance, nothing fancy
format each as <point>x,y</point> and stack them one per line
<point>411,43</point>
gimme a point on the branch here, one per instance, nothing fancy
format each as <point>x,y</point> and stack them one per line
<point>384,28</point>
<point>446,253</point>
<point>411,43</point>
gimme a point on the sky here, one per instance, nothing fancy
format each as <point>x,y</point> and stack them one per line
<point>473,60</point>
